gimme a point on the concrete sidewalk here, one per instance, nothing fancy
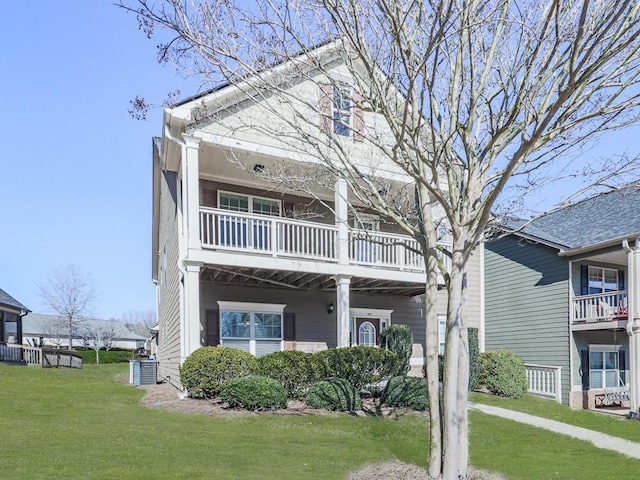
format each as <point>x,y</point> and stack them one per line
<point>600,440</point>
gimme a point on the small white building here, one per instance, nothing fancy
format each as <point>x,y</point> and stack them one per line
<point>40,329</point>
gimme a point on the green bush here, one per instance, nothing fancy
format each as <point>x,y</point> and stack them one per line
<point>398,339</point>
<point>474,361</point>
<point>362,367</point>
<point>334,394</point>
<point>254,392</point>
<point>106,356</point>
<point>503,373</point>
<point>204,371</point>
<point>409,392</point>
<point>295,370</point>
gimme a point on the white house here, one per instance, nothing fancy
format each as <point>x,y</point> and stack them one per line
<point>243,261</point>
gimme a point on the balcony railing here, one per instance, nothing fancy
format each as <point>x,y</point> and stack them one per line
<point>600,307</point>
<point>283,237</point>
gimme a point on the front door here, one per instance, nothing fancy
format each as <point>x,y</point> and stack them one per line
<point>366,332</point>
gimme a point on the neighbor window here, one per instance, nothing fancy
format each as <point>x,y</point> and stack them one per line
<point>442,333</point>
<point>604,368</point>
<point>602,280</point>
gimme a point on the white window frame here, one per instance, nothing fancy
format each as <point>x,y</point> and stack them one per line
<point>442,333</point>
<point>370,329</point>
<point>604,349</point>
<point>250,199</point>
<point>602,272</point>
<point>252,309</point>
<point>341,92</point>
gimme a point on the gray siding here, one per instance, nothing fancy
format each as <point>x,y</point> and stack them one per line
<point>527,303</point>
<point>313,323</point>
<point>168,282</point>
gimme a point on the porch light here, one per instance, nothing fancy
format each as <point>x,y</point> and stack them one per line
<point>330,308</point>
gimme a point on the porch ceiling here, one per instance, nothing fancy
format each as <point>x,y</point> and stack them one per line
<point>261,277</point>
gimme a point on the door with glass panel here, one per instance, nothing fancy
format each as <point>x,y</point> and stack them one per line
<point>366,332</point>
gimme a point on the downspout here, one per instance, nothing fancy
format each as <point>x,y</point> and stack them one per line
<point>182,253</point>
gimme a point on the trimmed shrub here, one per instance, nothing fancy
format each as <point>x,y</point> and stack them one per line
<point>254,392</point>
<point>334,394</point>
<point>362,367</point>
<point>474,361</point>
<point>409,392</point>
<point>503,373</point>
<point>108,356</point>
<point>295,370</point>
<point>398,339</point>
<point>204,371</point>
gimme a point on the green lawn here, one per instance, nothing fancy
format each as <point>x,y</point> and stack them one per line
<point>611,424</point>
<point>84,424</point>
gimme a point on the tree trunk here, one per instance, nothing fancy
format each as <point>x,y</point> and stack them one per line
<point>463,384</point>
<point>70,325</point>
<point>431,366</point>
<point>453,418</point>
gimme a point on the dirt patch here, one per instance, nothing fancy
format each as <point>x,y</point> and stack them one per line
<point>166,397</point>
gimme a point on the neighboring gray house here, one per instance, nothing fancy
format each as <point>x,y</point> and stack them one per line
<point>565,291</point>
<point>11,313</point>
<point>39,329</point>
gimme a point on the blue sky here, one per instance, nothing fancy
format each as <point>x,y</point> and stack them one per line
<point>75,168</point>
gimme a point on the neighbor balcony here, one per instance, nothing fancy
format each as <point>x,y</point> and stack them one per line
<point>599,311</point>
<point>280,237</point>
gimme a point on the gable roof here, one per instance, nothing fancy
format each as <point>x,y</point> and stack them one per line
<point>7,300</point>
<point>596,220</point>
<point>31,326</point>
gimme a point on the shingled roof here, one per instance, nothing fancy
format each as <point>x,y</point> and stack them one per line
<point>7,300</point>
<point>607,216</point>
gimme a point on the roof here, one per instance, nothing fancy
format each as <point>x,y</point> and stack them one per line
<point>7,300</point>
<point>604,217</point>
<point>31,326</point>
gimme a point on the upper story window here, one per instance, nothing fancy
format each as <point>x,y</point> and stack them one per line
<point>602,280</point>
<point>249,204</point>
<point>341,110</point>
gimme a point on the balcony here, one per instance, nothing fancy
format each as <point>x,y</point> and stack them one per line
<point>295,239</point>
<point>591,311</point>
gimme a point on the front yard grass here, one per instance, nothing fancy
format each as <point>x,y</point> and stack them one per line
<point>612,424</point>
<point>82,424</point>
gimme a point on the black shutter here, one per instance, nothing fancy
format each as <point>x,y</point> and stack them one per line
<point>621,280</point>
<point>212,327</point>
<point>623,366</point>
<point>584,368</point>
<point>584,280</point>
<point>289,326</point>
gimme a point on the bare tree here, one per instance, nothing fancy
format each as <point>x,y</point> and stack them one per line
<point>100,336</point>
<point>70,293</point>
<point>479,103</point>
<point>139,321</point>
<point>54,330</point>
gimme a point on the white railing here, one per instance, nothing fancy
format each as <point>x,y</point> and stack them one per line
<point>20,353</point>
<point>278,236</point>
<point>545,380</point>
<point>600,307</point>
<point>269,235</point>
<point>32,355</point>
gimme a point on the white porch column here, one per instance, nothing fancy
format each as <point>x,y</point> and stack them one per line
<point>342,221</point>
<point>343,283</point>
<point>191,191</point>
<point>191,322</point>
<point>633,324</point>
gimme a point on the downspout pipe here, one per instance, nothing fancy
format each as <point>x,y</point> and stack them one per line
<point>633,318</point>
